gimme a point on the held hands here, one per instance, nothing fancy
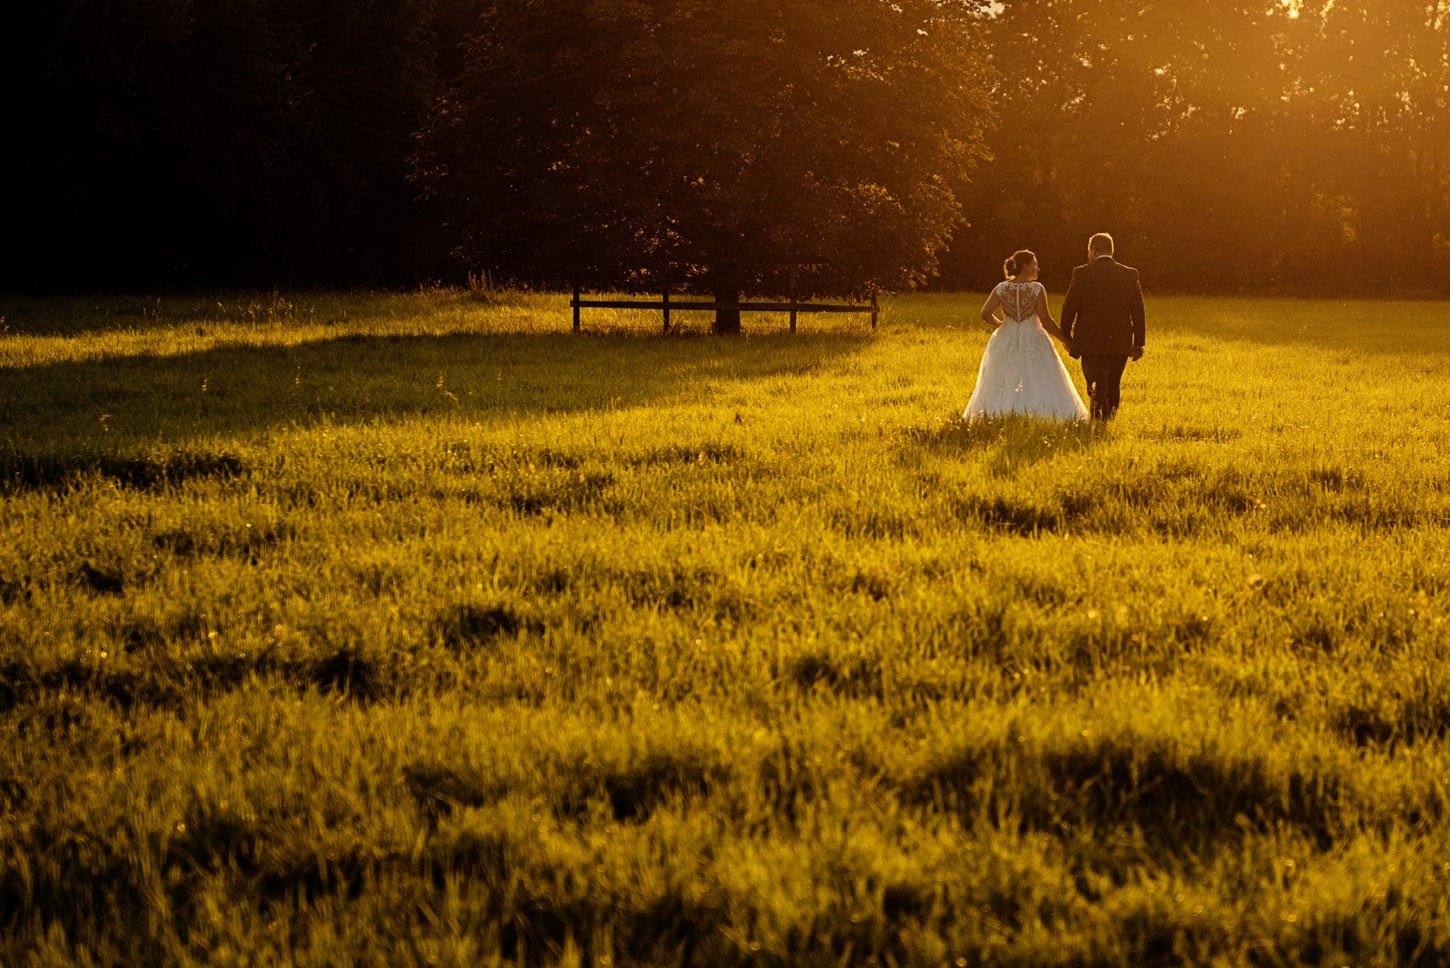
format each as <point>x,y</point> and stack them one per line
<point>1134,354</point>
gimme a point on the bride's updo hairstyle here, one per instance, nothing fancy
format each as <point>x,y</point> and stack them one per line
<point>1018,262</point>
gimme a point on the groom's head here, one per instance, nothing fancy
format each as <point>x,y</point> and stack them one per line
<point>1100,245</point>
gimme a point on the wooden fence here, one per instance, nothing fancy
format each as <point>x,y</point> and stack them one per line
<point>666,305</point>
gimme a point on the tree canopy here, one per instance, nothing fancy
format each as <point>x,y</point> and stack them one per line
<point>1230,145</point>
<point>1240,145</point>
<point>620,142</point>
<point>167,142</point>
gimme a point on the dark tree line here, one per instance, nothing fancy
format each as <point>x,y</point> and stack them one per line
<point>257,142</point>
<point>1231,145</point>
<point>679,142</point>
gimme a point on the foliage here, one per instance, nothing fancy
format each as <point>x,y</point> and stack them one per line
<point>683,140</point>
<point>1252,145</point>
<point>412,630</point>
<point>1231,145</point>
<point>163,141</point>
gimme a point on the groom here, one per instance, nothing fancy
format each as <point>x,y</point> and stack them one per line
<point>1103,322</point>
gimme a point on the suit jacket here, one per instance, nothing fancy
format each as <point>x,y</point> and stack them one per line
<point>1102,314</point>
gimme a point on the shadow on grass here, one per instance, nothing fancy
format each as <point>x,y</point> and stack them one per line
<point>1356,329</point>
<point>27,472</point>
<point>80,411</point>
<point>1008,443</point>
<point>344,673</point>
<point>1182,804</point>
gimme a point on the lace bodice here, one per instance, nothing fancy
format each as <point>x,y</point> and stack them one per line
<point>1019,300</point>
<point>1020,372</point>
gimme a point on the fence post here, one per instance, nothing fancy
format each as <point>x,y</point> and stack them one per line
<point>667,308</point>
<point>875,309</point>
<point>575,304</point>
<point>792,297</point>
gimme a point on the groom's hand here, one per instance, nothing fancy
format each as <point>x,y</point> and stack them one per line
<point>1137,354</point>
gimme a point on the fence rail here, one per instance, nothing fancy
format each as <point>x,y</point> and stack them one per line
<point>666,306</point>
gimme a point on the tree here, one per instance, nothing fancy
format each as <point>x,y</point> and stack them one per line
<point>1376,77</point>
<point>260,142</point>
<point>1248,144</point>
<point>633,142</point>
<point>1143,117</point>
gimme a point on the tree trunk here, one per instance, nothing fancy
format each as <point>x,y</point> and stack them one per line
<point>725,284</point>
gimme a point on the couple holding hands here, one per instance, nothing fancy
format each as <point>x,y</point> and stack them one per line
<point>1102,325</point>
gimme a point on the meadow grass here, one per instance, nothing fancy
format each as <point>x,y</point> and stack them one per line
<point>414,630</point>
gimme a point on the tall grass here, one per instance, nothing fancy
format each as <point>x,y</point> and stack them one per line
<point>413,630</point>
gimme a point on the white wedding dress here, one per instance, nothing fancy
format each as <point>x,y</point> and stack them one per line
<point>1021,372</point>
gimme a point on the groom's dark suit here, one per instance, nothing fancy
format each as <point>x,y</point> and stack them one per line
<point>1103,322</point>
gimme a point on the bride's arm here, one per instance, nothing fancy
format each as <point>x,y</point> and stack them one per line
<point>989,308</point>
<point>1044,315</point>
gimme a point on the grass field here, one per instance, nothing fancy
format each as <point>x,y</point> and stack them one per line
<point>413,630</point>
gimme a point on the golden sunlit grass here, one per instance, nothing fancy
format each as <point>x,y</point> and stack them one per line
<point>413,630</point>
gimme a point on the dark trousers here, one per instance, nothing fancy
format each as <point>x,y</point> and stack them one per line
<point>1104,375</point>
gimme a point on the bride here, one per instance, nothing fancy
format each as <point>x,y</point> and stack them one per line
<point>1021,372</point>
